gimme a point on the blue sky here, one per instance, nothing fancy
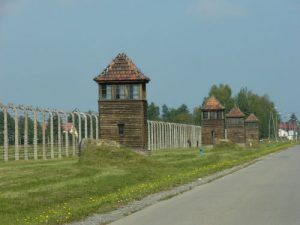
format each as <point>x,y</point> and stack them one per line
<point>51,50</point>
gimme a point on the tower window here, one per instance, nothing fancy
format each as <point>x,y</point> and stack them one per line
<point>120,91</point>
<point>219,115</point>
<point>106,92</point>
<point>134,91</point>
<point>205,115</point>
<point>121,129</point>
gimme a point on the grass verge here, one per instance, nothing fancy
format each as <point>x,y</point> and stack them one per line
<point>103,179</point>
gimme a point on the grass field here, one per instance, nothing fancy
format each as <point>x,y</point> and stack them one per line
<point>59,191</point>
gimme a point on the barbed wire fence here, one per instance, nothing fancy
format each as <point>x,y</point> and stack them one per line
<point>164,135</point>
<point>36,133</point>
<point>29,133</point>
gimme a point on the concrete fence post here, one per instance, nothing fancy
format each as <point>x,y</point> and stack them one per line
<point>44,133</point>
<point>97,125</point>
<point>66,130</point>
<point>74,132</point>
<point>26,133</point>
<point>149,134</point>
<point>5,132</point>
<point>16,119</point>
<point>79,125</point>
<point>91,126</point>
<point>35,131</point>
<point>85,125</point>
<point>51,134</point>
<point>59,133</point>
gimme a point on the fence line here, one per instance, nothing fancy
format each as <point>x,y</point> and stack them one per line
<point>36,133</point>
<point>42,133</point>
<point>164,135</point>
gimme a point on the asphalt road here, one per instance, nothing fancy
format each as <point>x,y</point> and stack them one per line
<point>265,193</point>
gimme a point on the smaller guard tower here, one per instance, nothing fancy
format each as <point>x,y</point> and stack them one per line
<point>213,121</point>
<point>235,126</point>
<point>123,103</point>
<point>252,130</point>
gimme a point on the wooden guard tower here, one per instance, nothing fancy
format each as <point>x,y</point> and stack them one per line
<point>252,130</point>
<point>235,126</point>
<point>213,121</point>
<point>123,103</point>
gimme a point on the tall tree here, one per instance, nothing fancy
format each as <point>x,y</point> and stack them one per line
<point>153,112</point>
<point>197,116</point>
<point>223,93</point>
<point>293,118</point>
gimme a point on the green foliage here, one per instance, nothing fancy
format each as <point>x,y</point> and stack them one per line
<point>197,116</point>
<point>153,112</point>
<point>293,118</point>
<point>223,93</point>
<point>103,156</point>
<point>226,146</point>
<point>261,106</point>
<point>179,115</point>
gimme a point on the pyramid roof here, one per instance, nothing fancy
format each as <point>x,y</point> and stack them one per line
<point>235,112</point>
<point>121,69</point>
<point>252,118</point>
<point>212,104</point>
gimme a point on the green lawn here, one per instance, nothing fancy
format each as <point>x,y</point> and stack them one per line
<point>59,191</point>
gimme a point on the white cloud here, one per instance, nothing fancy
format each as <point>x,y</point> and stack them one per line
<point>215,9</point>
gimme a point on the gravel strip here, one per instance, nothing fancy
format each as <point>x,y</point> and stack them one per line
<point>100,219</point>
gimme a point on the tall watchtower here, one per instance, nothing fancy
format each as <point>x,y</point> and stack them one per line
<point>235,125</point>
<point>123,103</point>
<point>213,121</point>
<point>252,129</point>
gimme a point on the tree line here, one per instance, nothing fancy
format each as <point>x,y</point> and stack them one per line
<point>248,101</point>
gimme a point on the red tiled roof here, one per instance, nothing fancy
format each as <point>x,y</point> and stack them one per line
<point>68,126</point>
<point>235,112</point>
<point>288,125</point>
<point>212,104</point>
<point>252,118</point>
<point>121,69</point>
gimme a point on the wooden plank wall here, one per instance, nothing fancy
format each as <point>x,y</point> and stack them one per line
<point>217,125</point>
<point>131,113</point>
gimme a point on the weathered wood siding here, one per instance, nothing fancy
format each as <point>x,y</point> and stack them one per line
<point>235,131</point>
<point>215,125</point>
<point>131,113</point>
<point>252,132</point>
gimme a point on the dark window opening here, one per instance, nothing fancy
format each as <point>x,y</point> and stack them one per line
<point>205,115</point>
<point>134,91</point>
<point>120,92</point>
<point>219,115</point>
<point>121,129</point>
<point>106,92</point>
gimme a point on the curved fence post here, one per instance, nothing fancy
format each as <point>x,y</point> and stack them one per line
<point>35,153</point>
<point>5,132</point>
<point>85,125</point>
<point>44,133</point>
<point>74,132</point>
<point>79,125</point>
<point>149,135</point>
<point>51,134</point>
<point>66,130</point>
<point>26,134</point>
<point>97,126</point>
<point>16,119</point>
<point>59,133</point>
<point>91,126</point>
